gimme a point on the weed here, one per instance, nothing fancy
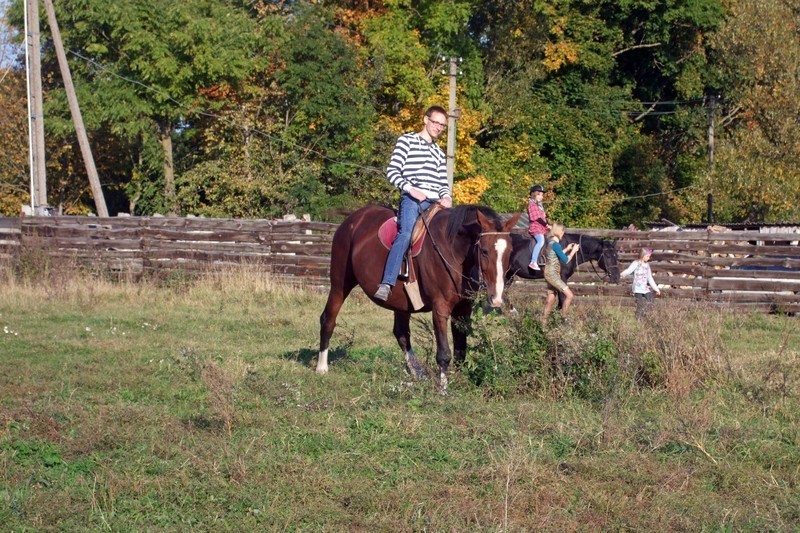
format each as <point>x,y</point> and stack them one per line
<point>506,354</point>
<point>220,393</point>
<point>205,415</point>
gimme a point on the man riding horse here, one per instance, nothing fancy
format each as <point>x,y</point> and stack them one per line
<point>418,169</point>
<point>460,242</point>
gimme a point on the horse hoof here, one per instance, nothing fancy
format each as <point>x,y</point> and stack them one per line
<point>322,370</point>
<point>442,388</point>
<point>413,367</point>
<point>416,371</point>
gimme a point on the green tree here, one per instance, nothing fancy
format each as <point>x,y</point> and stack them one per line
<point>299,135</point>
<point>757,172</point>
<point>662,55</point>
<point>141,68</point>
<point>14,179</point>
<point>553,118</point>
<point>564,78</point>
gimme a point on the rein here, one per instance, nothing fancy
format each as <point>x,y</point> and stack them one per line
<point>451,268</point>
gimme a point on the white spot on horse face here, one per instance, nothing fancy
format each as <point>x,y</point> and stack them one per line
<point>499,283</point>
<point>322,362</point>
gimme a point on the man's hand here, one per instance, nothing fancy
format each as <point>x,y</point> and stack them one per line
<point>446,202</point>
<point>417,194</point>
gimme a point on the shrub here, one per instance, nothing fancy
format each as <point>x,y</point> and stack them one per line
<point>506,353</point>
<point>600,354</point>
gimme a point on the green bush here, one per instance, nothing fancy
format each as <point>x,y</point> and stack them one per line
<point>599,355</point>
<point>513,354</point>
<point>506,353</point>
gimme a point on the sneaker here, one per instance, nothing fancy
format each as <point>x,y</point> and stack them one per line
<point>383,291</point>
<point>533,265</point>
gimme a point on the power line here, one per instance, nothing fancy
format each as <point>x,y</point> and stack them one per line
<point>637,113</point>
<point>374,169</point>
<point>560,201</point>
<point>691,101</point>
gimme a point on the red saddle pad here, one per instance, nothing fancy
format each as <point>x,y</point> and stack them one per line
<point>387,232</point>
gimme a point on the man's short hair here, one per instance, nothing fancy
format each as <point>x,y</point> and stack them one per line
<point>435,109</point>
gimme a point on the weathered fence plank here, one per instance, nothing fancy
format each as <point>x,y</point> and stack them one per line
<point>750,269</point>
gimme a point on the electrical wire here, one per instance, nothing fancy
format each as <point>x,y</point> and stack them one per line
<point>374,169</point>
<point>560,201</point>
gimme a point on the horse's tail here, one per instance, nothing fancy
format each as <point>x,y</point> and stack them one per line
<point>341,263</point>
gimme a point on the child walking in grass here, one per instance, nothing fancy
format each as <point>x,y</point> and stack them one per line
<point>642,282</point>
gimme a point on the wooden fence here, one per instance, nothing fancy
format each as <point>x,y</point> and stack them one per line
<point>142,246</point>
<point>759,271</point>
<point>743,269</point>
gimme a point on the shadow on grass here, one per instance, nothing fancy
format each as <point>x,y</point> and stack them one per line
<point>203,423</point>
<point>307,356</point>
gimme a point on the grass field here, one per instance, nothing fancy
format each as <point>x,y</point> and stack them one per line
<point>194,406</point>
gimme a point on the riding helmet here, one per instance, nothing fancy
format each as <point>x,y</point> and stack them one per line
<point>536,188</point>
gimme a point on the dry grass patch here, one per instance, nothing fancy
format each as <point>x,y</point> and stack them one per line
<point>206,415</point>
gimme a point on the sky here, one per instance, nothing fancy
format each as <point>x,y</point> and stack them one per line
<point>8,50</point>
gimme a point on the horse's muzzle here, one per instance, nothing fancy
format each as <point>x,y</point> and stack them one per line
<point>495,300</point>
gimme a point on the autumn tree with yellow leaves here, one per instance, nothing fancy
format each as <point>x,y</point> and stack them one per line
<point>274,107</point>
<point>757,172</point>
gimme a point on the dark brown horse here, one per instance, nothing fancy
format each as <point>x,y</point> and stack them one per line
<point>460,240</point>
<point>591,250</point>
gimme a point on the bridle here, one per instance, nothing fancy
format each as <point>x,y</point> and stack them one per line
<point>451,268</point>
<point>481,283</point>
<point>606,274</point>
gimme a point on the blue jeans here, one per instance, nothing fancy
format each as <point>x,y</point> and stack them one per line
<point>407,216</point>
<point>538,248</point>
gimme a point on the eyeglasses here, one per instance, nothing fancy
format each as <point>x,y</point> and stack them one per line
<point>440,124</point>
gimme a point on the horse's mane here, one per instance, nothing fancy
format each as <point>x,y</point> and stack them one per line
<point>578,237</point>
<point>462,215</point>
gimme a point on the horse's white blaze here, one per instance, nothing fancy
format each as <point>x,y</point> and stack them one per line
<point>500,247</point>
<point>322,362</point>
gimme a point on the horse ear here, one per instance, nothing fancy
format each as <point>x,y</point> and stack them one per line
<point>511,222</point>
<point>484,222</point>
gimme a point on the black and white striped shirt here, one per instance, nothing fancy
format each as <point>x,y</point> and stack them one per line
<point>419,164</point>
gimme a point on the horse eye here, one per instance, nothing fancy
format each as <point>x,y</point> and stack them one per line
<point>484,252</point>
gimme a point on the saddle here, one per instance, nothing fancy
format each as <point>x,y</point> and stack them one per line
<point>388,230</point>
<point>386,234</point>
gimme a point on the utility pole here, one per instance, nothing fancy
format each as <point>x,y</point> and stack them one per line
<point>453,114</point>
<point>30,108</point>
<point>36,135</point>
<point>80,130</point>
<point>712,104</point>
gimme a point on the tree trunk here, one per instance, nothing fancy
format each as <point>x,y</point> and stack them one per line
<point>170,199</point>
